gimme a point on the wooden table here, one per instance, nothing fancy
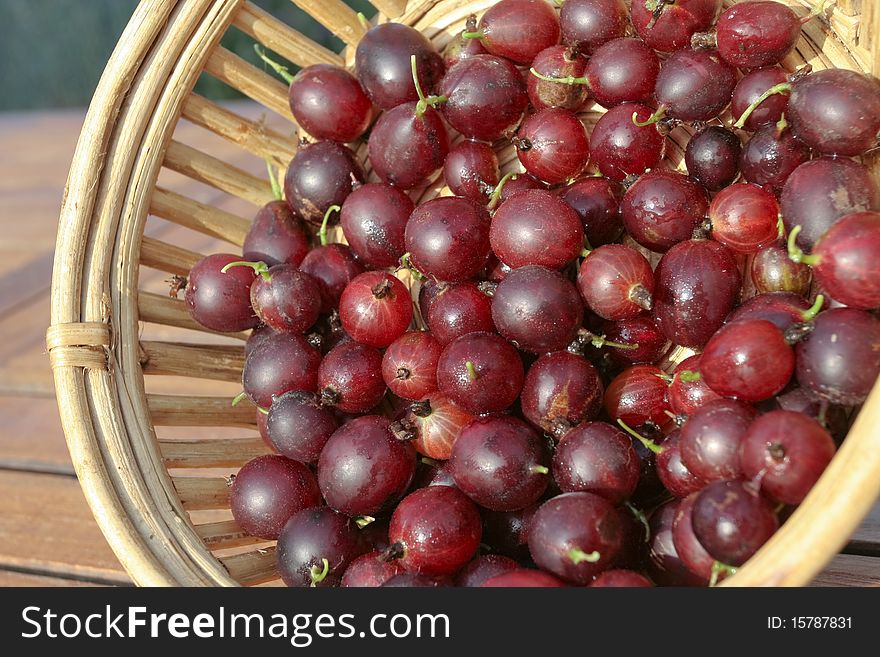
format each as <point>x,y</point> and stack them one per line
<point>47,534</point>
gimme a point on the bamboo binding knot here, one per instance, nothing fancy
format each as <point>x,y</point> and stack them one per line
<point>79,344</point>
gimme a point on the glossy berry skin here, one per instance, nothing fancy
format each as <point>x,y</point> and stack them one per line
<point>368,570</point>
<point>536,227</point>
<point>438,529</point>
<point>375,308</point>
<point>570,526</point>
<point>597,202</point>
<point>486,97</point>
<point>697,284</point>
<point>280,363</point>
<point>364,469</point>
<point>770,157</point>
<point>686,396</point>
<point>471,170</point>
<point>350,378</point>
<point>676,24</point>
<point>558,62</point>
<point>382,62</point>
<point>616,282</point>
<point>267,491</point>
<point>407,149</point>
<point>519,29</point>
<point>689,549</point>
<point>561,390</point>
<point>662,209</point>
<point>623,71</point>
<point>638,395</point>
<point>298,426</point>
<point>218,301</point>
<point>756,34</point>
<point>523,578</point>
<point>313,535</point>
<point>836,111</point>
<point>596,457</point>
<point>821,191</point>
<point>448,238</point>
<point>773,271</point>
<point>289,300</point>
<point>588,24</point>
<point>641,332</point>
<point>750,87</point>
<point>848,268</point>
<point>695,85</point>
<point>665,566</point>
<point>538,309</point>
<point>458,309</point>
<point>483,568</point>
<point>620,147</point>
<point>781,308</point>
<point>276,236</point>
<point>711,438</point>
<point>840,359</point>
<point>373,220</point>
<point>712,157</point>
<point>671,470</point>
<point>553,145</point>
<point>319,176</point>
<point>334,266</point>
<point>732,521</point>
<point>620,579</point>
<point>492,383</point>
<point>498,463</point>
<point>744,218</point>
<point>409,365</point>
<point>434,425</point>
<point>787,452</point>
<point>319,86</point>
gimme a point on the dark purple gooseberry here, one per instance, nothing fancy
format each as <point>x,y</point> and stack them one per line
<point>667,26</point>
<point>786,452</point>
<point>839,360</point>
<point>773,271</point>
<point>284,298</point>
<point>744,218</point>
<point>319,86</point>
<point>596,457</point>
<point>697,285</point>
<point>712,157</point>
<point>523,578</point>
<point>671,470</point>
<point>576,536</point>
<point>383,64</point>
<point>781,308</point>
<point>518,29</point>
<point>750,87</point>
<point>280,363</point>
<point>364,469</point>
<point>616,282</point>
<point>276,236</point>
<point>621,148</point>
<point>665,566</point>
<point>267,491</point>
<point>350,378</point>
<point>368,570</point>
<point>758,33</point>
<point>320,176</point>
<point>538,309</point>
<point>482,372</point>
<point>375,308</point>
<point>638,395</point>
<point>486,97</point>
<point>483,568</point>
<point>499,463</point>
<point>597,202</point>
<point>833,418</point>
<point>316,546</point>
<point>770,157</point>
<point>333,266</point>
<point>689,392</point>
<point>448,238</point>
<point>220,301</point>
<point>588,24</point>
<point>536,227</point>
<point>689,549</point>
<point>623,71</point>
<point>694,85</point>
<point>561,390</point>
<point>640,332</point>
<point>298,426</point>
<point>553,145</point>
<point>732,521</point>
<point>461,48</point>
<point>471,170</point>
<point>662,209</point>
<point>711,438</point>
<point>820,192</point>
<point>558,62</point>
<point>373,220</point>
<point>409,365</point>
<point>508,532</point>
<point>458,309</point>
<point>620,579</point>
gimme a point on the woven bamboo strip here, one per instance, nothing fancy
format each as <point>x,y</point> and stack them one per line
<point>253,137</point>
<point>336,16</point>
<point>168,311</point>
<point>199,493</point>
<point>201,361</point>
<point>167,257</point>
<point>391,8</point>
<point>187,411</point>
<point>283,39</point>
<point>224,534</point>
<point>217,173</point>
<point>212,452</point>
<point>198,216</point>
<point>249,80</point>
<point>252,568</point>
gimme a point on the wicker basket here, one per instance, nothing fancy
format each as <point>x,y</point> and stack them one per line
<point>152,494</point>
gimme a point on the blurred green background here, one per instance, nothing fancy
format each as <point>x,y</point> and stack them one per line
<point>52,52</point>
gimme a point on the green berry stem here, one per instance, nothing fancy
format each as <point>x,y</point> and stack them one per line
<point>282,71</point>
<point>259,267</point>
<point>539,469</point>
<point>689,375</point>
<point>718,569</point>
<point>641,517</point>
<point>363,521</point>
<point>796,253</point>
<point>654,118</point>
<point>473,35</point>
<point>810,313</point>
<point>363,20</point>
<point>238,398</point>
<point>471,370</point>
<point>784,87</point>
<point>319,575</point>
<point>273,180</point>
<point>599,341</point>
<point>424,101</point>
<point>780,227</point>
<point>496,193</point>
<point>578,556</point>
<point>650,444</point>
<point>322,232</point>
<point>571,80</point>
